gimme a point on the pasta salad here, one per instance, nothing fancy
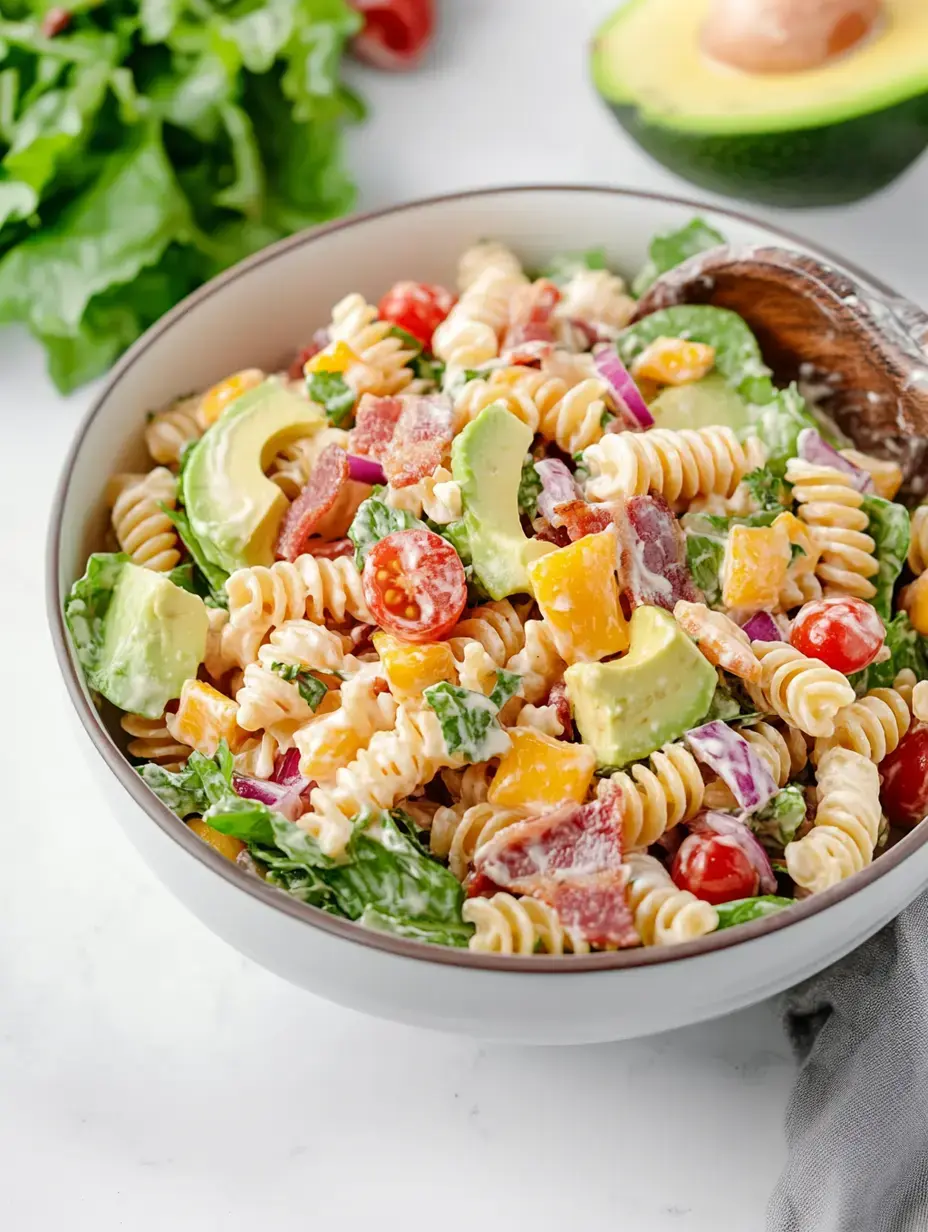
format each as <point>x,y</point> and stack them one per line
<point>508,619</point>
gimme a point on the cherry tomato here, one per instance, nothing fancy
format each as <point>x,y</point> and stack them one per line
<point>843,632</point>
<point>714,868</point>
<point>417,307</point>
<point>396,32</point>
<point>414,584</point>
<point>905,780</point>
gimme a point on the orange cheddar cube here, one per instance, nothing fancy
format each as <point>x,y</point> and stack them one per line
<point>215,400</point>
<point>337,357</point>
<point>756,561</point>
<point>674,361</point>
<point>225,844</point>
<point>800,536</point>
<point>411,668</point>
<point>577,591</point>
<point>915,601</point>
<point>539,771</point>
<point>205,717</point>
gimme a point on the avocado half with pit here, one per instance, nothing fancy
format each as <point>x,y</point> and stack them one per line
<point>789,102</point>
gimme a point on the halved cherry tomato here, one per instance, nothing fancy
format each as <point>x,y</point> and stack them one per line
<point>714,868</point>
<point>843,632</point>
<point>905,780</point>
<point>417,307</point>
<point>396,32</point>
<point>415,586</point>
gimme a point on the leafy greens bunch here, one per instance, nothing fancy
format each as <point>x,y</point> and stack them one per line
<point>148,144</point>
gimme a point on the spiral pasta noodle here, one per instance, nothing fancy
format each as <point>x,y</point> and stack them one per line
<point>871,726</point>
<point>333,740</point>
<point>457,835</point>
<point>596,298</point>
<point>804,692</point>
<point>829,503</point>
<point>474,262</point>
<point>169,431</point>
<point>469,335</point>
<point>144,531</point>
<point>290,468</point>
<point>542,718</point>
<point>263,597</point>
<point>658,796</point>
<point>538,662</point>
<point>393,765</point>
<point>918,544</point>
<point>678,465</point>
<point>509,925</point>
<point>151,741</point>
<point>504,386</point>
<point>383,355</point>
<point>496,626</point>
<point>847,823</point>
<point>662,914</point>
<point>471,784</point>
<point>437,497</point>
<point>257,757</point>
<point>781,748</point>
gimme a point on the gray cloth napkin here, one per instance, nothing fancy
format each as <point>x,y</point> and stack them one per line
<point>857,1119</point>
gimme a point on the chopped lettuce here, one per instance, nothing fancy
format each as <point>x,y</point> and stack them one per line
<point>673,248</point>
<point>445,932</point>
<point>529,488</point>
<point>86,607</point>
<point>776,824</point>
<point>562,267</point>
<point>743,910</point>
<point>310,687</point>
<point>907,650</point>
<point>777,419</point>
<point>730,703</point>
<point>185,791</point>
<point>705,555</point>
<point>333,393</point>
<point>373,521</point>
<point>508,684</point>
<point>768,489</point>
<point>207,580</point>
<point>890,530</point>
<point>469,722</point>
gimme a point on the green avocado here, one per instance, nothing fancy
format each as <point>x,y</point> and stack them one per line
<point>486,460</point>
<point>701,404</point>
<point>820,135</point>
<point>627,708</point>
<point>234,509</point>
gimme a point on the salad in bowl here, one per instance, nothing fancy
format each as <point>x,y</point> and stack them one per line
<point>509,619</point>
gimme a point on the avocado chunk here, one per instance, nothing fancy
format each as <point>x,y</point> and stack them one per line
<point>830,133</point>
<point>629,707</point>
<point>701,404</point>
<point>486,460</point>
<point>137,636</point>
<point>234,509</point>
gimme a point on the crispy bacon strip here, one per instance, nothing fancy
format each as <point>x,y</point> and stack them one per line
<point>423,433</point>
<point>318,497</point>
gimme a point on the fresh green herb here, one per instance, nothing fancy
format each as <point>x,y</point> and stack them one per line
<point>426,367</point>
<point>373,521</point>
<point>310,687</point>
<point>85,611</point>
<point>908,650</point>
<point>468,720</point>
<point>529,488</point>
<point>890,529</point>
<point>705,556</point>
<point>796,551</point>
<point>409,340</point>
<point>435,933</point>
<point>508,684</point>
<point>212,578</point>
<point>675,247</point>
<point>743,910</point>
<point>562,267</point>
<point>333,393</point>
<point>185,791</point>
<point>768,489</point>
<point>777,822</point>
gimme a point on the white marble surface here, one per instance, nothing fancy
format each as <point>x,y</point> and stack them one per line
<point>152,1078</point>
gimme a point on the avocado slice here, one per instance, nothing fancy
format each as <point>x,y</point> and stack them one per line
<point>701,404</point>
<point>817,136</point>
<point>486,460</point>
<point>627,708</point>
<point>234,509</point>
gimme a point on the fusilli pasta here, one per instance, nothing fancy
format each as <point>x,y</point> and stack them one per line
<point>170,430</point>
<point>872,726</point>
<point>847,822</point>
<point>509,925</point>
<point>538,662</point>
<point>659,795</point>
<point>383,355</point>
<point>456,835</point>
<point>264,597</point>
<point>804,692</point>
<point>831,505</point>
<point>151,741</point>
<point>144,531</point>
<point>664,915</point>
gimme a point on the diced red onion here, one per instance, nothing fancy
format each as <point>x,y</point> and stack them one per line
<point>283,799</point>
<point>365,470</point>
<point>734,761</point>
<point>557,486</point>
<point>287,767</point>
<point>725,825</point>
<point>762,628</point>
<point>624,389</point>
<point>815,449</point>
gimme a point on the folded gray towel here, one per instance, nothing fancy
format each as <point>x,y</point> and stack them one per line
<point>857,1120</point>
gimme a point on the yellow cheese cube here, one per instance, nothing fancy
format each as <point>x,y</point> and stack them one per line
<point>674,361</point>
<point>578,594</point>
<point>756,561</point>
<point>915,602</point>
<point>216,399</point>
<point>800,536</point>
<point>411,668</point>
<point>337,357</point>
<point>205,717</point>
<point>540,771</point>
<point>225,844</point>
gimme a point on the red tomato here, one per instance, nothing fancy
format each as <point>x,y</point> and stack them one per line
<point>396,32</point>
<point>845,633</point>
<point>714,868</point>
<point>905,780</point>
<point>414,584</point>
<point>417,307</point>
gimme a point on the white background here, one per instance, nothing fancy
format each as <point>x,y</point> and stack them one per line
<point>150,1077</point>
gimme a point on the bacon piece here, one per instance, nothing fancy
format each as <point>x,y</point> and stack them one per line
<point>330,549</point>
<point>652,554</point>
<point>319,342</point>
<point>478,885</point>
<point>529,336</point>
<point>581,518</point>
<point>552,534</point>
<point>318,497</point>
<point>374,424</point>
<point>361,635</point>
<point>423,433</point>
<point>595,907</point>
<point>557,698</point>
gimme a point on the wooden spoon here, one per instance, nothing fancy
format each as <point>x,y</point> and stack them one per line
<point>863,350</point>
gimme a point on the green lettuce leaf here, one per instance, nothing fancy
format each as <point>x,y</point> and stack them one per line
<point>85,611</point>
<point>213,577</point>
<point>310,687</point>
<point>562,267</point>
<point>375,520</point>
<point>468,719</point>
<point>777,822</point>
<point>334,395</point>
<point>743,910</point>
<point>675,247</point>
<point>203,781</point>
<point>890,530</point>
<point>447,932</point>
<point>778,420</point>
<point>705,555</point>
<point>529,488</point>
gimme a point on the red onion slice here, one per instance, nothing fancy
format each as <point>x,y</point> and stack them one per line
<point>815,449</point>
<point>287,767</point>
<point>762,628</point>
<point>734,761</point>
<point>725,825</point>
<point>624,389</point>
<point>365,470</point>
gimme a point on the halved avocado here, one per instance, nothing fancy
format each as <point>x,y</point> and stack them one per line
<point>817,136</point>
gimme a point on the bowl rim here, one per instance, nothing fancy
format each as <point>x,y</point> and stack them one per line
<point>350,930</point>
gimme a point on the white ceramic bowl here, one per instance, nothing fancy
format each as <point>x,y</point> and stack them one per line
<point>257,314</point>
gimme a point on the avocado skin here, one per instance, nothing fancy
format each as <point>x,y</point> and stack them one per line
<point>831,165</point>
